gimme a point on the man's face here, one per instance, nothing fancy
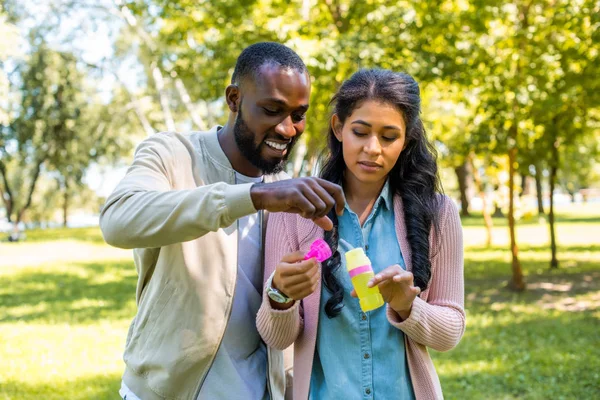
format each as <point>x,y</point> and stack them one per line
<point>271,116</point>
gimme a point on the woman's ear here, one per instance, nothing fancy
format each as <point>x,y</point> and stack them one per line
<point>336,126</point>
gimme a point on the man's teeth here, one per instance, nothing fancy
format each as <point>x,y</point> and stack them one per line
<point>277,146</point>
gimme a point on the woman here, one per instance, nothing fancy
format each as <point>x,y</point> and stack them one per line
<point>379,153</point>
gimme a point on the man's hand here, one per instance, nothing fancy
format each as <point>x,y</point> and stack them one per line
<point>312,198</point>
<point>295,277</point>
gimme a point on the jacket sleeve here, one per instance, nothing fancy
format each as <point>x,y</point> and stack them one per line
<point>144,211</point>
<point>278,328</point>
<point>439,322</point>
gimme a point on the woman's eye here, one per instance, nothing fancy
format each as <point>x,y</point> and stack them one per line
<point>389,139</point>
<point>359,134</point>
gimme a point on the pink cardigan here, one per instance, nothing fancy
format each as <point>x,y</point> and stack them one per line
<point>437,319</point>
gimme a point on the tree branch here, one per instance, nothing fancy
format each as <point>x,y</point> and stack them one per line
<point>164,101</point>
<point>336,14</point>
<point>34,179</point>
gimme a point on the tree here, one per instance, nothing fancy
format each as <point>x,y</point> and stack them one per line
<point>53,128</point>
<point>41,124</point>
<point>570,85</point>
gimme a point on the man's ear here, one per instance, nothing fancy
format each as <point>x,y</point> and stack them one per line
<point>233,97</point>
<point>336,126</point>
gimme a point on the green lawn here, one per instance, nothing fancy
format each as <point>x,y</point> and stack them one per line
<point>66,301</point>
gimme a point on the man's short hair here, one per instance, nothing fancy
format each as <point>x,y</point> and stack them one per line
<point>255,56</point>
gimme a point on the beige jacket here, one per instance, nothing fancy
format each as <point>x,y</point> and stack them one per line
<point>177,207</point>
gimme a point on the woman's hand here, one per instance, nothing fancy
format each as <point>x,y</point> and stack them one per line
<point>295,277</point>
<point>397,288</point>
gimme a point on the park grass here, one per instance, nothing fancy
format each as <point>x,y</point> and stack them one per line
<point>66,301</point>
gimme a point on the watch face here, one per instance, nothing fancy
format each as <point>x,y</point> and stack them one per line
<point>277,297</point>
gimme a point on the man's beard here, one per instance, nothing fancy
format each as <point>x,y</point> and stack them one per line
<point>245,140</point>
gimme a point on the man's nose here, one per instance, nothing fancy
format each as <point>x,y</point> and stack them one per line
<point>286,128</point>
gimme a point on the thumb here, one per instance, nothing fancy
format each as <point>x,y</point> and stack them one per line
<point>353,293</point>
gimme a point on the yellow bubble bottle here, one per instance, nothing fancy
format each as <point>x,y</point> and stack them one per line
<point>361,272</point>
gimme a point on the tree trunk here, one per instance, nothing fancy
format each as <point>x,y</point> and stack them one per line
<point>15,236</point>
<point>159,84</point>
<point>462,172</point>
<point>34,179</point>
<point>553,171</point>
<point>554,260</point>
<point>538,189</point>
<point>487,218</point>
<point>187,101</point>
<point>517,283</point>
<point>7,196</point>
<point>66,206</point>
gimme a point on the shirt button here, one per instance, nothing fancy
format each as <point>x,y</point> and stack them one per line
<point>364,316</point>
<point>368,391</point>
<point>366,356</point>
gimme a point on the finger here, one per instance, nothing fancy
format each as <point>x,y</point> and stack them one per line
<point>353,293</point>
<point>300,291</point>
<point>293,276</point>
<point>337,192</point>
<point>301,203</point>
<point>403,277</point>
<point>298,268</point>
<point>416,290</point>
<point>325,197</point>
<point>384,275</point>
<point>292,257</point>
<point>315,199</point>
<point>324,223</point>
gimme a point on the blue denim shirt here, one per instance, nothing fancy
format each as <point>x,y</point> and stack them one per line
<point>358,355</point>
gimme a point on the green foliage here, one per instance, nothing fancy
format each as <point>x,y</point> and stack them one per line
<point>55,125</point>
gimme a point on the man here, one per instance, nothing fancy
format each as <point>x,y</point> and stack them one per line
<point>192,208</point>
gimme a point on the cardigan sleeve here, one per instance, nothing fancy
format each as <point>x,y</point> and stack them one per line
<point>439,322</point>
<point>279,328</point>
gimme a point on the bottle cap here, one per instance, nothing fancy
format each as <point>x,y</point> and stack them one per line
<point>356,258</point>
<point>320,250</point>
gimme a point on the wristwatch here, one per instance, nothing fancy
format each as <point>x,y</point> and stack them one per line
<point>276,295</point>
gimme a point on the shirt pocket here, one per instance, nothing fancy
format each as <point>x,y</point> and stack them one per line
<point>142,342</point>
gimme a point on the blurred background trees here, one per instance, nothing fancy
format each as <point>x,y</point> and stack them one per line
<point>510,91</point>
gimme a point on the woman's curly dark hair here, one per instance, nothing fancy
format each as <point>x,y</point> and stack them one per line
<point>414,177</point>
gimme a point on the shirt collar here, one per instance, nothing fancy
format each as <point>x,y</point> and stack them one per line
<point>385,197</point>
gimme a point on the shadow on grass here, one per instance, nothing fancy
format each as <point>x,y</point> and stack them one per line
<point>493,269</point>
<point>99,387</point>
<point>94,291</point>
<point>543,357</point>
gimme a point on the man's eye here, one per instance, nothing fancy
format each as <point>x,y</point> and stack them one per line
<point>298,117</point>
<point>270,111</point>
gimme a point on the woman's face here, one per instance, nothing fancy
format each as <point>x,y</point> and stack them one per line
<point>372,138</point>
